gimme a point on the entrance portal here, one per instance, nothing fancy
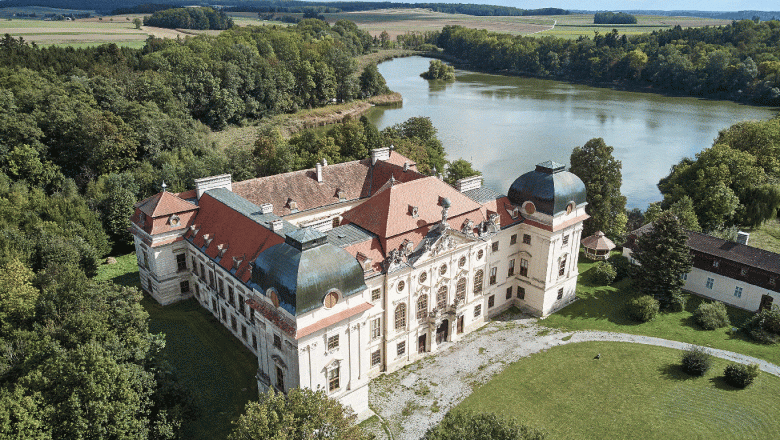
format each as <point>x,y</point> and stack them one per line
<point>421,344</point>
<point>443,331</point>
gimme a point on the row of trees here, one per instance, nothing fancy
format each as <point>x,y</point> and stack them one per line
<point>190,18</point>
<point>740,61</point>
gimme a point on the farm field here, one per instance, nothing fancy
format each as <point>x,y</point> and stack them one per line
<point>633,391</point>
<point>575,25</point>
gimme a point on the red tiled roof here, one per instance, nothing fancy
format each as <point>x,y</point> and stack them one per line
<point>500,207</point>
<point>162,224</point>
<point>242,236</point>
<point>164,203</point>
<point>356,179</point>
<point>388,213</point>
<point>400,160</point>
<point>333,319</point>
<point>371,249</point>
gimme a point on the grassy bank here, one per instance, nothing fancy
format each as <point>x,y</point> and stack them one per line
<point>208,360</point>
<point>603,308</point>
<point>633,391</point>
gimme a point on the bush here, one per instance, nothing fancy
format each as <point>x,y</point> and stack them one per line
<point>764,326</point>
<point>467,425</point>
<point>603,273</point>
<point>623,267</point>
<point>696,361</point>
<point>643,309</point>
<point>711,315</point>
<point>676,303</point>
<point>427,47</point>
<point>739,375</point>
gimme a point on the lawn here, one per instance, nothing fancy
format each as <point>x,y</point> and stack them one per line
<point>633,391</point>
<point>603,308</point>
<point>766,236</point>
<point>206,357</point>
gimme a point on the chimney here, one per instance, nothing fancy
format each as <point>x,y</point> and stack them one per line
<point>742,237</point>
<point>441,176</point>
<point>379,154</point>
<point>266,208</point>
<point>213,182</point>
<point>469,183</point>
<point>277,225</point>
<point>324,162</point>
<point>406,166</point>
<point>319,172</point>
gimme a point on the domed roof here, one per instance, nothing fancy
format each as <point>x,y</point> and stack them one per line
<point>550,187</point>
<point>304,269</point>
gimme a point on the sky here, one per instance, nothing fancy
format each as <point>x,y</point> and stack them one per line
<point>595,5</point>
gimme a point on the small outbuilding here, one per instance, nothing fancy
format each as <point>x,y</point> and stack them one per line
<point>597,246</point>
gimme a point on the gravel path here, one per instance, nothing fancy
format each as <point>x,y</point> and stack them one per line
<point>417,397</point>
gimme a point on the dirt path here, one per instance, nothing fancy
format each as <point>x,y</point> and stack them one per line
<point>415,398</point>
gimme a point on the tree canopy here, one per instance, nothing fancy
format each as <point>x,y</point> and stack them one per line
<point>601,173</point>
<point>459,425</point>
<point>663,256</point>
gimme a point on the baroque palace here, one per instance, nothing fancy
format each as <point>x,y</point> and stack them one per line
<point>336,274</point>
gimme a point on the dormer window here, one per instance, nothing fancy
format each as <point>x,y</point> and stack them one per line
<point>414,211</point>
<point>141,219</point>
<point>407,246</point>
<point>772,281</point>
<point>237,262</point>
<point>341,194</point>
<point>716,263</point>
<point>207,239</point>
<point>743,272</point>
<point>222,249</point>
<point>174,220</point>
<point>293,205</point>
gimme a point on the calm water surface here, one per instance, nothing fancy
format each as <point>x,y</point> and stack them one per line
<point>506,125</point>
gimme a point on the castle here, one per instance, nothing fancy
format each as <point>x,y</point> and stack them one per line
<point>336,274</point>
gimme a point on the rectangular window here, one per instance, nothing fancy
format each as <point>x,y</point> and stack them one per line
<point>224,315</point>
<point>513,239</point>
<point>243,331</point>
<point>491,301</point>
<point>233,323</point>
<point>194,266</point>
<point>477,310</point>
<point>202,271</point>
<point>254,341</point>
<point>511,270</point>
<point>493,273</point>
<point>560,293</point>
<point>376,328</point>
<point>772,281</point>
<point>146,259</point>
<point>562,267</point>
<point>333,342</point>
<point>710,282</point>
<point>149,285</point>
<point>565,240</point>
<point>230,295</point>
<point>738,292</point>
<point>279,378</point>
<point>521,292</point>
<point>241,305</point>
<point>400,349</point>
<point>684,276</point>
<point>376,294</point>
<point>526,239</point>
<point>509,292</point>
<point>184,286</point>
<point>277,341</point>
<point>212,282</point>
<point>221,290</point>
<point>716,263</point>
<point>495,246</point>
<point>214,305</point>
<point>181,262</point>
<point>376,358</point>
<point>197,291</point>
<point>523,267</point>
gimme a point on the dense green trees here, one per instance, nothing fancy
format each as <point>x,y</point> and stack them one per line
<point>664,257</point>
<point>189,18</point>
<point>601,173</point>
<point>302,413</point>
<point>738,61</point>
<point>613,18</point>
<point>459,425</point>
<point>439,70</point>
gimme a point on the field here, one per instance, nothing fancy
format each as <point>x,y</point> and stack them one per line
<point>208,360</point>
<point>576,25</point>
<point>633,391</point>
<point>766,236</point>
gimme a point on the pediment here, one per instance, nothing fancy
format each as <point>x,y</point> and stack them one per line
<point>434,246</point>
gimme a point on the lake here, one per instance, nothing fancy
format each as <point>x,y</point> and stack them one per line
<point>505,125</point>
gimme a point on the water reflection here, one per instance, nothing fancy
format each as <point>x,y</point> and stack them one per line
<point>506,125</point>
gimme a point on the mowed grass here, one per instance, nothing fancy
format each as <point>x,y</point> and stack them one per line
<point>208,360</point>
<point>603,308</point>
<point>633,391</point>
<point>766,236</point>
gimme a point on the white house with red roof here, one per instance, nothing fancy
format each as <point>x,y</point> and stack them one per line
<point>336,274</point>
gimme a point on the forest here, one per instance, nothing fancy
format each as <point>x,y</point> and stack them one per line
<point>613,18</point>
<point>189,18</point>
<point>740,61</point>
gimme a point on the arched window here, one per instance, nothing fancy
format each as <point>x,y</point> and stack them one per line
<point>422,307</point>
<point>460,291</point>
<point>400,316</point>
<point>478,281</point>
<point>441,297</point>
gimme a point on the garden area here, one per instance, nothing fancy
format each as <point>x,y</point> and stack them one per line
<point>632,391</point>
<point>207,359</point>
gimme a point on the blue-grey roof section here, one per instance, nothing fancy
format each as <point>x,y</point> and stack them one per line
<point>347,235</point>
<point>550,187</point>
<point>482,195</point>
<point>302,277</point>
<point>250,210</point>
